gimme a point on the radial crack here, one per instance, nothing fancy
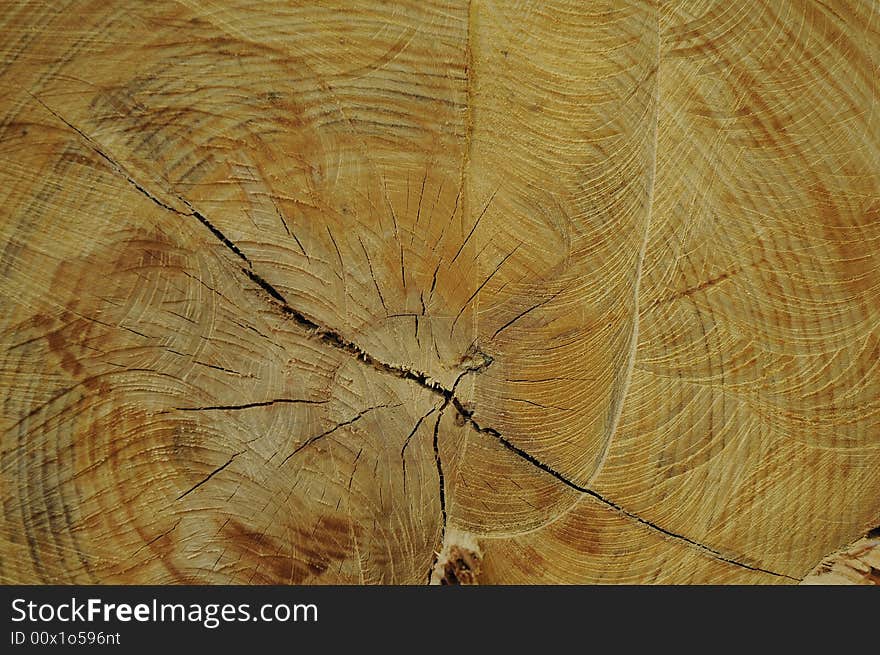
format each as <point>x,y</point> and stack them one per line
<point>210,475</point>
<point>442,487</point>
<point>408,439</point>
<point>264,403</point>
<point>157,537</point>
<point>468,416</point>
<point>308,442</point>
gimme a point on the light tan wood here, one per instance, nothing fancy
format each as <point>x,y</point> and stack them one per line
<point>438,291</point>
<point>859,563</point>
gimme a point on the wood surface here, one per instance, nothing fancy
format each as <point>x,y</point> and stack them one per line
<point>438,291</point>
<point>859,563</point>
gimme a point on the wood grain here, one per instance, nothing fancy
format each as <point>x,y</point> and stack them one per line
<point>438,291</point>
<point>859,563</point>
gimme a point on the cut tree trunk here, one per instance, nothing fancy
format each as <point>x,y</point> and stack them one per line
<point>447,291</point>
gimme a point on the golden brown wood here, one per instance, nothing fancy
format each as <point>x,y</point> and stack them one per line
<point>438,290</point>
